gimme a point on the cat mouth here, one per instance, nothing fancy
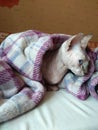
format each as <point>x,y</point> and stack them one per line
<point>77,74</point>
<point>82,74</point>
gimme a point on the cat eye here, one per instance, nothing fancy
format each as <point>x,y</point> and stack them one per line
<point>80,62</point>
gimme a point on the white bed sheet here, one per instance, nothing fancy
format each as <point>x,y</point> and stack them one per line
<point>58,111</point>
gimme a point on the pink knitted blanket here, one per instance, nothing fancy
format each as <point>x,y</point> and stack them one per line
<point>20,77</point>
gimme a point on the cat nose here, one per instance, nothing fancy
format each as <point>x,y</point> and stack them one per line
<point>85,69</point>
<point>85,72</point>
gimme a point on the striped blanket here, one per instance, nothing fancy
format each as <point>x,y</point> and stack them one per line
<point>21,80</point>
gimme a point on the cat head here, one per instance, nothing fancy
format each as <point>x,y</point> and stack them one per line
<point>74,53</point>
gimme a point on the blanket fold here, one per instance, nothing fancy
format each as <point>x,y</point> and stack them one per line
<point>21,97</point>
<point>21,57</point>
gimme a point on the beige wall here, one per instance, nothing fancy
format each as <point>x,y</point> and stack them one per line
<point>52,16</point>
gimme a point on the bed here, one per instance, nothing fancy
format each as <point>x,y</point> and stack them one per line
<point>58,110</point>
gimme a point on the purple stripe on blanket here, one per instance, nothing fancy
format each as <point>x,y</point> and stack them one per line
<point>5,76</point>
<point>5,73</point>
<point>93,85</point>
<point>34,96</point>
<point>10,84</point>
<point>38,59</point>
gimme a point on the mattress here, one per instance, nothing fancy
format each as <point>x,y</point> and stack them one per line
<point>59,110</point>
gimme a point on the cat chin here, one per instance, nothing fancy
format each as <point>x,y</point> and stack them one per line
<point>78,74</point>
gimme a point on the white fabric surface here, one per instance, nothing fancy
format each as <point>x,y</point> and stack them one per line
<point>58,111</point>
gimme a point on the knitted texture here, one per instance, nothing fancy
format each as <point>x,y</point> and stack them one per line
<point>21,57</point>
<point>20,77</point>
<point>24,51</point>
<point>21,97</point>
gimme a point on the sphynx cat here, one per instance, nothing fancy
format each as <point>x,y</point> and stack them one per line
<point>70,56</point>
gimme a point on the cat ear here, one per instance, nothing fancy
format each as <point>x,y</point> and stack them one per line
<point>85,41</point>
<point>75,39</point>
